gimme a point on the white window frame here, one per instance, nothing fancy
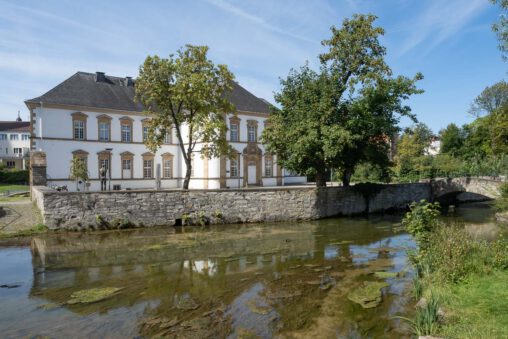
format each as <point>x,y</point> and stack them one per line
<point>14,137</point>
<point>268,167</point>
<point>234,167</point>
<point>251,133</point>
<point>107,126</point>
<point>147,169</point>
<point>79,129</point>
<point>167,168</point>
<point>234,132</point>
<point>126,131</point>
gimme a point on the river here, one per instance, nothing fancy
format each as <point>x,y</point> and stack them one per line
<point>289,280</point>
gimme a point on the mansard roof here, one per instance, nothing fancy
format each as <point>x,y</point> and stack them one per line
<point>15,126</point>
<point>97,90</point>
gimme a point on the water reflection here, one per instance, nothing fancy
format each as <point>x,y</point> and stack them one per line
<point>231,281</point>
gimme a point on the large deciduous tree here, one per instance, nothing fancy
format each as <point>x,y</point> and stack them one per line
<point>187,92</point>
<point>491,99</point>
<point>346,113</point>
<point>501,27</point>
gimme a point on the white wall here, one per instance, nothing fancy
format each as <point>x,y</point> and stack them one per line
<point>54,135</point>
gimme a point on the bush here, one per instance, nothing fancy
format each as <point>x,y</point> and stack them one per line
<point>502,202</point>
<point>421,221</point>
<point>14,177</point>
<point>453,255</point>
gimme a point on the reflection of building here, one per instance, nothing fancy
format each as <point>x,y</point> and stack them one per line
<point>14,143</point>
<point>94,117</point>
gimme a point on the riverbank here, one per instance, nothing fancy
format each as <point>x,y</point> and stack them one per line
<point>460,281</point>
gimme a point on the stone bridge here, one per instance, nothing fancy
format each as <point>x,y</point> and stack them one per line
<point>465,188</point>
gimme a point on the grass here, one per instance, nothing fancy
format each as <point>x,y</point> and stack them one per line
<point>468,277</point>
<point>14,199</point>
<point>477,308</point>
<point>7,187</point>
<point>36,229</point>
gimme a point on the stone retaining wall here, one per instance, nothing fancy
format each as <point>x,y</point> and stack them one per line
<point>78,210</point>
<point>117,209</point>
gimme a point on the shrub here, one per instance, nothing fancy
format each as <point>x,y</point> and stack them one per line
<point>453,255</point>
<point>14,177</point>
<point>421,221</point>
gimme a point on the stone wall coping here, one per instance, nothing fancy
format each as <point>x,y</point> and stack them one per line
<point>49,191</point>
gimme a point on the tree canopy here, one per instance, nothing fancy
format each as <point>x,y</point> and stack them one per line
<point>187,92</point>
<point>490,99</point>
<point>501,27</point>
<point>345,113</point>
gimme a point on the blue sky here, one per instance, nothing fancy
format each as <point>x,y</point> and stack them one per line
<point>449,41</point>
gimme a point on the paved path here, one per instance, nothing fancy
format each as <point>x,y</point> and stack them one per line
<point>19,215</point>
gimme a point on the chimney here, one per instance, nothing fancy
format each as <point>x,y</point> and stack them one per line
<point>128,81</point>
<point>100,77</point>
<point>19,118</point>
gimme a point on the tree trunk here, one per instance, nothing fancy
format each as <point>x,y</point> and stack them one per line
<point>346,177</point>
<point>187,175</point>
<point>320,179</point>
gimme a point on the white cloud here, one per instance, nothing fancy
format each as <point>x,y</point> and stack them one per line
<point>440,21</point>
<point>226,6</point>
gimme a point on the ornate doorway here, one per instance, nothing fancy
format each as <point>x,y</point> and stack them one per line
<point>252,156</point>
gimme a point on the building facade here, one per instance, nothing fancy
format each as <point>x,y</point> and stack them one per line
<point>94,117</point>
<point>15,144</point>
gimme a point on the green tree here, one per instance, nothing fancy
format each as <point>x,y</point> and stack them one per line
<point>78,170</point>
<point>189,93</point>
<point>411,160</point>
<point>491,99</point>
<point>499,131</point>
<point>501,28</point>
<point>452,140</point>
<point>342,115</point>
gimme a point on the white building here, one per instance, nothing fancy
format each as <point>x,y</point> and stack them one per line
<point>95,117</point>
<point>15,144</point>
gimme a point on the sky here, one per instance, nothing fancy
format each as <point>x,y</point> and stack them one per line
<point>451,42</point>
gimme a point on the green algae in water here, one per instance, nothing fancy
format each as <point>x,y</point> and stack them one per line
<point>385,275</point>
<point>368,295</point>
<point>92,295</point>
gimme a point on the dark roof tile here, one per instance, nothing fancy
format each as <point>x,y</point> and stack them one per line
<point>81,89</point>
<point>15,126</point>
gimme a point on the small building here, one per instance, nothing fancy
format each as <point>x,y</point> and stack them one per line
<point>93,116</point>
<point>15,144</point>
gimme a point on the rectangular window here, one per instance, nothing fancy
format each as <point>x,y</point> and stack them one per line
<point>234,167</point>
<point>234,132</point>
<point>192,166</point>
<point>251,133</point>
<point>79,130</point>
<point>145,133</point>
<point>147,169</point>
<point>126,164</point>
<point>25,137</point>
<point>6,150</point>
<point>14,136</point>
<point>3,136</point>
<point>268,167</point>
<point>11,164</point>
<point>126,133</point>
<point>167,138</point>
<point>104,131</point>
<point>168,164</point>
<point>18,150</point>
